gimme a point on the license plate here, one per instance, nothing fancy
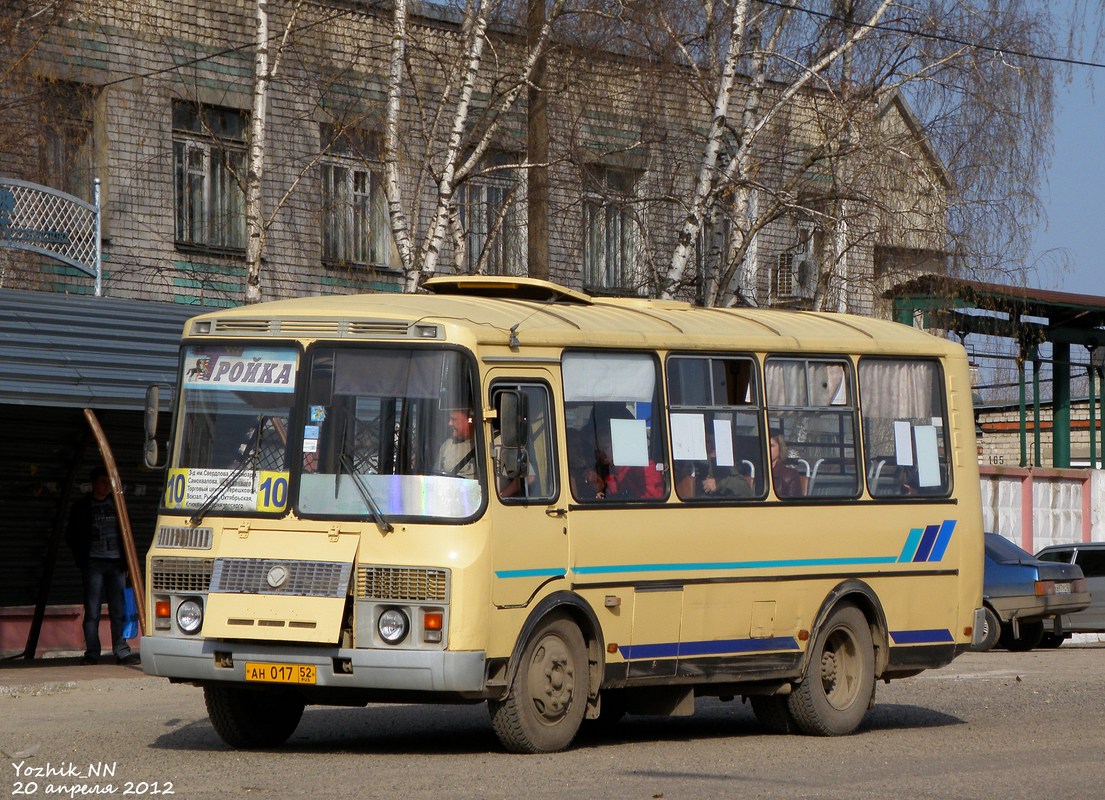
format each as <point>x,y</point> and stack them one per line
<point>280,673</point>
<point>1062,588</point>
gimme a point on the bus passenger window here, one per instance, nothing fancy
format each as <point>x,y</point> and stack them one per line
<point>716,439</point>
<point>614,439</point>
<point>903,427</point>
<point>812,417</point>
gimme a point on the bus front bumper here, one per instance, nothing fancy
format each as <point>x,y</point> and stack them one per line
<point>387,670</point>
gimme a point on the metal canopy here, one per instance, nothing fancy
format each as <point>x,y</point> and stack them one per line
<point>1030,317</point>
<point>75,351</point>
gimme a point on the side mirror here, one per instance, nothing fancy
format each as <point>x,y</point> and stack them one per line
<point>150,451</point>
<point>512,416</point>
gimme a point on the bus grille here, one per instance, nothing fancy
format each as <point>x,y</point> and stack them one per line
<point>403,583</point>
<point>181,575</point>
<point>196,538</point>
<point>299,578</point>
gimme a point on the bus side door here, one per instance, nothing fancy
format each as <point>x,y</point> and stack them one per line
<point>530,542</point>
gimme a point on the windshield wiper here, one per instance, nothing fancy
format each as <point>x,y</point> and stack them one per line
<point>252,460</point>
<point>345,463</point>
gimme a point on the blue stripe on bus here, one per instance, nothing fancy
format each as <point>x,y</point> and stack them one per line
<point>927,541</point>
<point>711,565</point>
<point>934,636</point>
<point>712,648</point>
<point>922,544</point>
<point>911,543</point>
<point>942,540</point>
<point>554,572</point>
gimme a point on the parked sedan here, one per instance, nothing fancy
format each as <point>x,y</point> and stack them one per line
<point>1090,558</point>
<point>1021,592</point>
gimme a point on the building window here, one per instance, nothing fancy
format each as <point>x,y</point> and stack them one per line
<point>356,229</point>
<point>489,215</point>
<point>610,233</point>
<point>209,157</point>
<point>66,145</point>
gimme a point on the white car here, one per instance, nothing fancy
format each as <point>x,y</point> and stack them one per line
<point>1090,556</point>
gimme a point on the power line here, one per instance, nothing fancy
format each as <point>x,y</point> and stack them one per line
<point>937,37</point>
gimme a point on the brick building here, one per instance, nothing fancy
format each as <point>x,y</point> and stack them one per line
<point>154,98</point>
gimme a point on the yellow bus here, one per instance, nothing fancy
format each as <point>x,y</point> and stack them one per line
<point>569,507</point>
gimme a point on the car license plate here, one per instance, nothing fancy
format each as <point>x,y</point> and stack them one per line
<point>1062,588</point>
<point>280,673</point>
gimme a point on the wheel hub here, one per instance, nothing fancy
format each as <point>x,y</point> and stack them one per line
<point>552,680</point>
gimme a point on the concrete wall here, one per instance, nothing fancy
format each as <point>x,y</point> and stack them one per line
<point>1036,507</point>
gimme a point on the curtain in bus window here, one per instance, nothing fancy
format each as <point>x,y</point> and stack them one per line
<point>786,383</point>
<point>609,376</point>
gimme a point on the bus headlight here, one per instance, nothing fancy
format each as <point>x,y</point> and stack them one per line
<point>393,626</point>
<point>189,615</point>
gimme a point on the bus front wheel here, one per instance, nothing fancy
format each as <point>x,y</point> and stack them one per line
<point>839,683</point>
<point>548,696</point>
<point>248,718</point>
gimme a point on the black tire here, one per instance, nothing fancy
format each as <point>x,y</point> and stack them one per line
<point>773,713</point>
<point>991,631</point>
<point>1032,633</point>
<point>252,718</point>
<point>839,684</point>
<point>1052,640</point>
<point>547,699</point>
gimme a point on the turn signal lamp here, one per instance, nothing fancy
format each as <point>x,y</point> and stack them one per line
<point>432,622</point>
<point>162,613</point>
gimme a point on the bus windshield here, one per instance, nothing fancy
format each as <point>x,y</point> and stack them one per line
<point>236,404</point>
<point>390,428</point>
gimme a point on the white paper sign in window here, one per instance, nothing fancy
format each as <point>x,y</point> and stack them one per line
<point>629,440</point>
<point>688,437</point>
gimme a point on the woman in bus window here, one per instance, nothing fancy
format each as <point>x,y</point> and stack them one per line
<point>786,479</point>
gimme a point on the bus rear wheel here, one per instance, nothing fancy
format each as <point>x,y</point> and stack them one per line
<point>248,718</point>
<point>839,683</point>
<point>548,696</point>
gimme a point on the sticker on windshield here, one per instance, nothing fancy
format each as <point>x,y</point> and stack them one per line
<point>259,369</point>
<point>263,491</point>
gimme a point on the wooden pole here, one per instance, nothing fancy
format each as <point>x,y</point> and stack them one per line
<point>134,568</point>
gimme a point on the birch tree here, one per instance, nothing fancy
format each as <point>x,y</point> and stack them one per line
<point>774,71</point>
<point>462,137</point>
<point>257,223</point>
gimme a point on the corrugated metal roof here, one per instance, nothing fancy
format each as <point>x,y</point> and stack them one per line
<point>76,351</point>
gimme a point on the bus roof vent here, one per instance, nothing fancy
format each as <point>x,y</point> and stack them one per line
<point>256,327</point>
<point>377,327</point>
<point>501,286</point>
<point>309,327</point>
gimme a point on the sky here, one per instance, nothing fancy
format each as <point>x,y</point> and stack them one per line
<point>1074,193</point>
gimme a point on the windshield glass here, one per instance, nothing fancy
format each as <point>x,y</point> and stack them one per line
<point>231,452</point>
<point>393,428</point>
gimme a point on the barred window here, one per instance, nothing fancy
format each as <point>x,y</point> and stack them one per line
<point>489,208</point>
<point>610,232</point>
<point>355,225</point>
<point>209,157</point>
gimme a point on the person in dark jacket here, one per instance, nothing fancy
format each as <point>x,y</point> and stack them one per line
<point>93,536</point>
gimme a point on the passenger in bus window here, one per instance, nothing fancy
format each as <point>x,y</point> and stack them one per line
<point>786,479</point>
<point>729,482</point>
<point>457,454</point>
<point>630,483</point>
